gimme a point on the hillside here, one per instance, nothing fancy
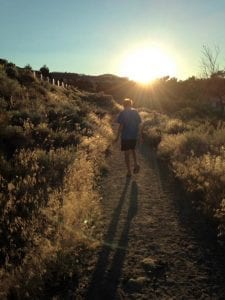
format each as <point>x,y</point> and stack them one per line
<point>203,97</point>
<point>52,148</point>
<point>107,83</point>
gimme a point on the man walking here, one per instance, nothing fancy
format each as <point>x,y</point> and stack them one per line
<point>129,122</point>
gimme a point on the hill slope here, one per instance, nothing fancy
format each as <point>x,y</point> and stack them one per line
<point>52,148</point>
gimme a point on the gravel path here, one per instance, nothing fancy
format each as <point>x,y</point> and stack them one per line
<point>154,246</point>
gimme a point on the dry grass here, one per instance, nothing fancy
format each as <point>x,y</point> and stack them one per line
<point>195,151</point>
<point>52,150</point>
<point>68,220</point>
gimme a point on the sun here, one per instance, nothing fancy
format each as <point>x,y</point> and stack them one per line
<point>146,64</point>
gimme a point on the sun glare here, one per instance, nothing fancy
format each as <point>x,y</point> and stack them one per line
<point>147,64</point>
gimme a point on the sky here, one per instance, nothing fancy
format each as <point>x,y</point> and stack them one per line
<point>95,36</point>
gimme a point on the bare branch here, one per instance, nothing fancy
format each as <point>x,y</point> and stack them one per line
<point>209,61</point>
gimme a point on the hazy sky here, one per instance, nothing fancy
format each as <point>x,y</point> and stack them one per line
<point>93,37</point>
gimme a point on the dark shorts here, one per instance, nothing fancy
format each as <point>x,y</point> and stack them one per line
<point>128,145</point>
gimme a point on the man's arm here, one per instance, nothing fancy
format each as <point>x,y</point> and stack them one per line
<point>119,132</point>
<point>141,130</point>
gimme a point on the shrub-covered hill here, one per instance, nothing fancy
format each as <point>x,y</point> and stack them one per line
<point>203,97</point>
<point>52,147</point>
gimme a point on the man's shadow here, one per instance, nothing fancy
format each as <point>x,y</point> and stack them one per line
<point>105,280</point>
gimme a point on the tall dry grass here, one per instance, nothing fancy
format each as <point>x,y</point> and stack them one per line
<point>63,224</point>
<point>195,152</point>
<point>52,146</point>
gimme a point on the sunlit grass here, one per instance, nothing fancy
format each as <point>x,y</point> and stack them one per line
<point>195,151</point>
<point>51,154</point>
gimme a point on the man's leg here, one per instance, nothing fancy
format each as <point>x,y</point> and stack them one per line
<point>136,165</point>
<point>127,161</point>
<point>134,157</point>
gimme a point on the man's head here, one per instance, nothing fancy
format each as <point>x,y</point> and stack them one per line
<point>127,102</point>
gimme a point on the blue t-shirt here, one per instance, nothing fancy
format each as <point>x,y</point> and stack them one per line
<point>130,119</point>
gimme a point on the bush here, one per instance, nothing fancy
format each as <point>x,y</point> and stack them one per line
<point>103,101</point>
<point>205,175</point>
<point>26,76</point>
<point>18,118</point>
<point>8,87</point>
<point>175,126</point>
<point>65,119</point>
<point>152,136</point>
<point>11,70</point>
<point>13,138</point>
<point>179,146</point>
<point>187,113</point>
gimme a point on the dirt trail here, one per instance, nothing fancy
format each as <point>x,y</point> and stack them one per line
<point>154,246</point>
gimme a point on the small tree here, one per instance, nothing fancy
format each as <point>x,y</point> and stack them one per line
<point>3,61</point>
<point>209,61</point>
<point>44,71</point>
<point>28,67</point>
<point>215,83</point>
<point>26,76</point>
<point>11,70</point>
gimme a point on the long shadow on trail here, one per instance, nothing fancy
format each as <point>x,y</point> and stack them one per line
<point>196,225</point>
<point>108,270</point>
